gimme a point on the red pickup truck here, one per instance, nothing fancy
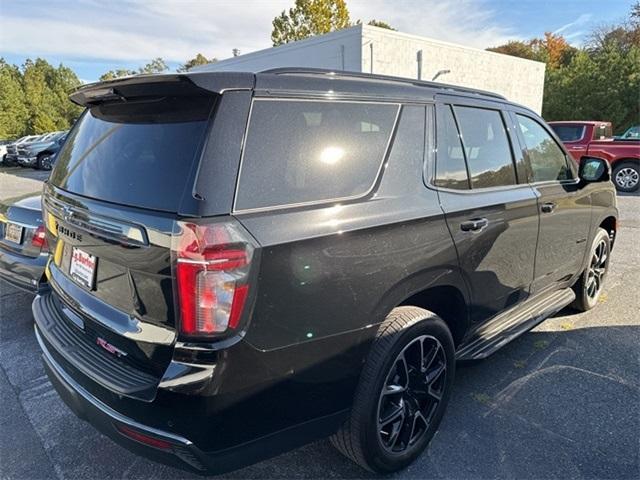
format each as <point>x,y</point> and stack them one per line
<point>595,139</point>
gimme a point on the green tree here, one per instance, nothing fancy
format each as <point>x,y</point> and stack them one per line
<point>600,81</point>
<point>199,59</point>
<point>516,48</point>
<point>34,98</point>
<point>157,65</point>
<point>117,73</point>
<point>44,116</point>
<point>601,85</point>
<point>13,108</point>
<point>381,24</point>
<point>551,49</point>
<point>64,82</point>
<point>308,18</point>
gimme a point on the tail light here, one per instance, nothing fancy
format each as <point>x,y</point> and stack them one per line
<point>39,239</point>
<point>212,271</point>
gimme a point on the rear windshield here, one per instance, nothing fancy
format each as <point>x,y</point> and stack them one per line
<point>138,153</point>
<point>569,133</point>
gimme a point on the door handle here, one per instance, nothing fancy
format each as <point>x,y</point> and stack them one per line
<point>548,207</point>
<point>474,225</point>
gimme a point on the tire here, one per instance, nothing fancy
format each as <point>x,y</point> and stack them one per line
<point>626,176</point>
<point>589,286</point>
<point>45,162</point>
<point>382,447</point>
<point>39,158</point>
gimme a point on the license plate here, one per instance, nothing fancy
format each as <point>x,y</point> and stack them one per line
<point>14,233</point>
<point>83,267</point>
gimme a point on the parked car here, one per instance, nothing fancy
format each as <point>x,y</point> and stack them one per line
<point>632,133</point>
<point>594,138</point>
<point>11,157</point>
<point>39,154</point>
<point>23,244</point>
<point>3,149</point>
<point>303,262</point>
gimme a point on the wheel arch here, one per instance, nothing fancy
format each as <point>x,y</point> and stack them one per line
<point>441,291</point>
<point>449,303</point>
<point>620,161</point>
<point>610,224</point>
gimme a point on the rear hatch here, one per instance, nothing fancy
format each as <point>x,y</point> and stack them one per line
<point>123,177</point>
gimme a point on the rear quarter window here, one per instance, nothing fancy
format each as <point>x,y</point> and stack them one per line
<point>299,151</point>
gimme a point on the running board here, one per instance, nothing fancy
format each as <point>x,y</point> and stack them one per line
<point>505,327</point>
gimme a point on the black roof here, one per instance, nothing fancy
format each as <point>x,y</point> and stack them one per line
<point>288,80</point>
<point>387,79</point>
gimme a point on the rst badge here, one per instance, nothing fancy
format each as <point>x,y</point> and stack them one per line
<point>110,348</point>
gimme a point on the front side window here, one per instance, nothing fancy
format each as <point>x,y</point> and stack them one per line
<point>547,160</point>
<point>451,171</point>
<point>486,147</point>
<point>300,151</point>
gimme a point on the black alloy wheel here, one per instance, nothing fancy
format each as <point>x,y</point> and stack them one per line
<point>403,391</point>
<point>411,394</point>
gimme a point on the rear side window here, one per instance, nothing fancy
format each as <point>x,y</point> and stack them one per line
<point>546,159</point>
<point>137,153</point>
<point>312,151</point>
<point>486,147</point>
<point>569,133</point>
<point>451,171</point>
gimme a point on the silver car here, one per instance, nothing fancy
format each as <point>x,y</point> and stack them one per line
<point>23,244</point>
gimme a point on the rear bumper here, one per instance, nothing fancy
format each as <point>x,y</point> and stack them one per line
<point>26,273</point>
<point>185,450</point>
<point>180,453</point>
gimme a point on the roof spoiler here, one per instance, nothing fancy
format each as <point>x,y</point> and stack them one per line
<point>145,85</point>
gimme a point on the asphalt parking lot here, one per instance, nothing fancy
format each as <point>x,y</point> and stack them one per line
<point>16,181</point>
<point>562,401</point>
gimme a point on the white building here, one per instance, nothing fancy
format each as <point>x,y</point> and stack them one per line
<point>364,48</point>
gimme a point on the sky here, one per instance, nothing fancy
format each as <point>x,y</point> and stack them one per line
<point>94,36</point>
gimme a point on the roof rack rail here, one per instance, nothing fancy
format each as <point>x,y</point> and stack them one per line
<point>385,78</point>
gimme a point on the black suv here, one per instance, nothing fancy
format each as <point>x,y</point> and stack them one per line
<point>242,263</point>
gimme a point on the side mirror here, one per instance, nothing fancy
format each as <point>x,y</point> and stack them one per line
<point>594,169</point>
